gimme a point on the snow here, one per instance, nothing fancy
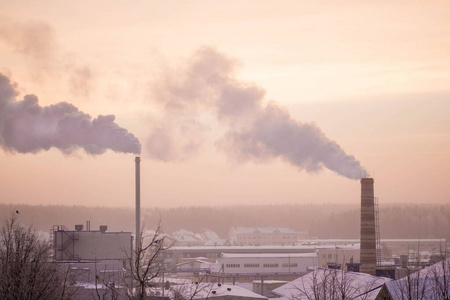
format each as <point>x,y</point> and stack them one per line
<point>425,282</point>
<point>356,285</point>
<point>214,290</point>
<point>263,255</point>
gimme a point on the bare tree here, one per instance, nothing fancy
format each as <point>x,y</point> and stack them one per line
<point>146,262</point>
<point>332,284</point>
<point>26,270</point>
<point>107,284</point>
<point>441,279</point>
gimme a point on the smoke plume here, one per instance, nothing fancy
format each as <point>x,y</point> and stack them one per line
<point>35,39</point>
<point>255,131</point>
<point>26,127</point>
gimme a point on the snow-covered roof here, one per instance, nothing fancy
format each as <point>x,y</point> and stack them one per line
<point>427,282</point>
<point>213,290</point>
<point>210,234</point>
<point>264,230</point>
<point>321,282</point>
<point>193,261</point>
<point>259,248</point>
<point>264,255</point>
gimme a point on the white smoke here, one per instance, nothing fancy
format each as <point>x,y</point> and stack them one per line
<point>26,127</point>
<point>255,131</point>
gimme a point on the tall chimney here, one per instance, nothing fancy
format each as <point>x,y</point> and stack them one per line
<point>368,237</point>
<point>138,203</point>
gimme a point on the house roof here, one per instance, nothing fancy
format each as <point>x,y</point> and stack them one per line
<point>193,261</point>
<point>311,285</point>
<point>213,290</point>
<point>427,282</point>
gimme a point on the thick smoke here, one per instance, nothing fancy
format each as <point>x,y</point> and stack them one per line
<point>255,131</point>
<point>26,127</point>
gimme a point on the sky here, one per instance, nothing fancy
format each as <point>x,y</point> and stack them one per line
<point>226,102</point>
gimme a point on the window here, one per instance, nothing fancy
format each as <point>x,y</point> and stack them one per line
<point>330,255</point>
<point>233,265</point>
<point>251,265</point>
<point>291,265</point>
<point>270,265</point>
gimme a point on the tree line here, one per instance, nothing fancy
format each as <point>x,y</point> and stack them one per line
<point>418,221</point>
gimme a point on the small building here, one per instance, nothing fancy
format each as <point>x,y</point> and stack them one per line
<point>340,255</point>
<point>187,238</point>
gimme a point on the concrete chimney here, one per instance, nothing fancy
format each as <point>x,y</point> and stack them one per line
<point>368,237</point>
<point>138,202</point>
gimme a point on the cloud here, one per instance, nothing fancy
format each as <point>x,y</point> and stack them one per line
<point>27,127</point>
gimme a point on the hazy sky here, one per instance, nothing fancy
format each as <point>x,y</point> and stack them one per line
<point>233,102</point>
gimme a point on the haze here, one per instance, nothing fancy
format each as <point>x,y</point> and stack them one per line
<point>203,84</point>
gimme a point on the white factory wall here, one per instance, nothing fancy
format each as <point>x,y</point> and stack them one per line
<point>267,263</point>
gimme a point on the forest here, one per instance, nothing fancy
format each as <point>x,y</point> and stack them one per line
<point>323,221</point>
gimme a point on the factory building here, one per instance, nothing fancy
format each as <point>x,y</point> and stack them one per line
<point>287,263</point>
<point>90,245</point>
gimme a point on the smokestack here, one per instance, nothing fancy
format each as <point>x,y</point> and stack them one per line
<point>368,236</point>
<point>138,202</point>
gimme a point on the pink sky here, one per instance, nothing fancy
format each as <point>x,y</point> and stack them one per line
<point>374,77</point>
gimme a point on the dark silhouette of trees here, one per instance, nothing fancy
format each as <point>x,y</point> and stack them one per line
<point>26,270</point>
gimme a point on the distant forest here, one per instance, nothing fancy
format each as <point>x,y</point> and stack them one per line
<point>324,221</point>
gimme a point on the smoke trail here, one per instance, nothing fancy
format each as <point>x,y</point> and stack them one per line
<point>26,127</point>
<point>255,131</point>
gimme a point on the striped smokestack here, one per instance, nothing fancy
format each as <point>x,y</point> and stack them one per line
<point>138,202</point>
<point>368,236</point>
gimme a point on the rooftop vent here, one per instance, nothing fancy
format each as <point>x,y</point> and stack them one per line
<point>103,228</point>
<point>79,227</point>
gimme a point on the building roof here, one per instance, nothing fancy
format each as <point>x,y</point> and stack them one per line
<point>266,255</point>
<point>213,290</point>
<point>321,282</point>
<point>264,230</point>
<point>426,283</point>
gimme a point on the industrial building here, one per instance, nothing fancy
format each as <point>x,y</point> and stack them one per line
<point>96,261</point>
<point>287,263</point>
<point>90,245</point>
